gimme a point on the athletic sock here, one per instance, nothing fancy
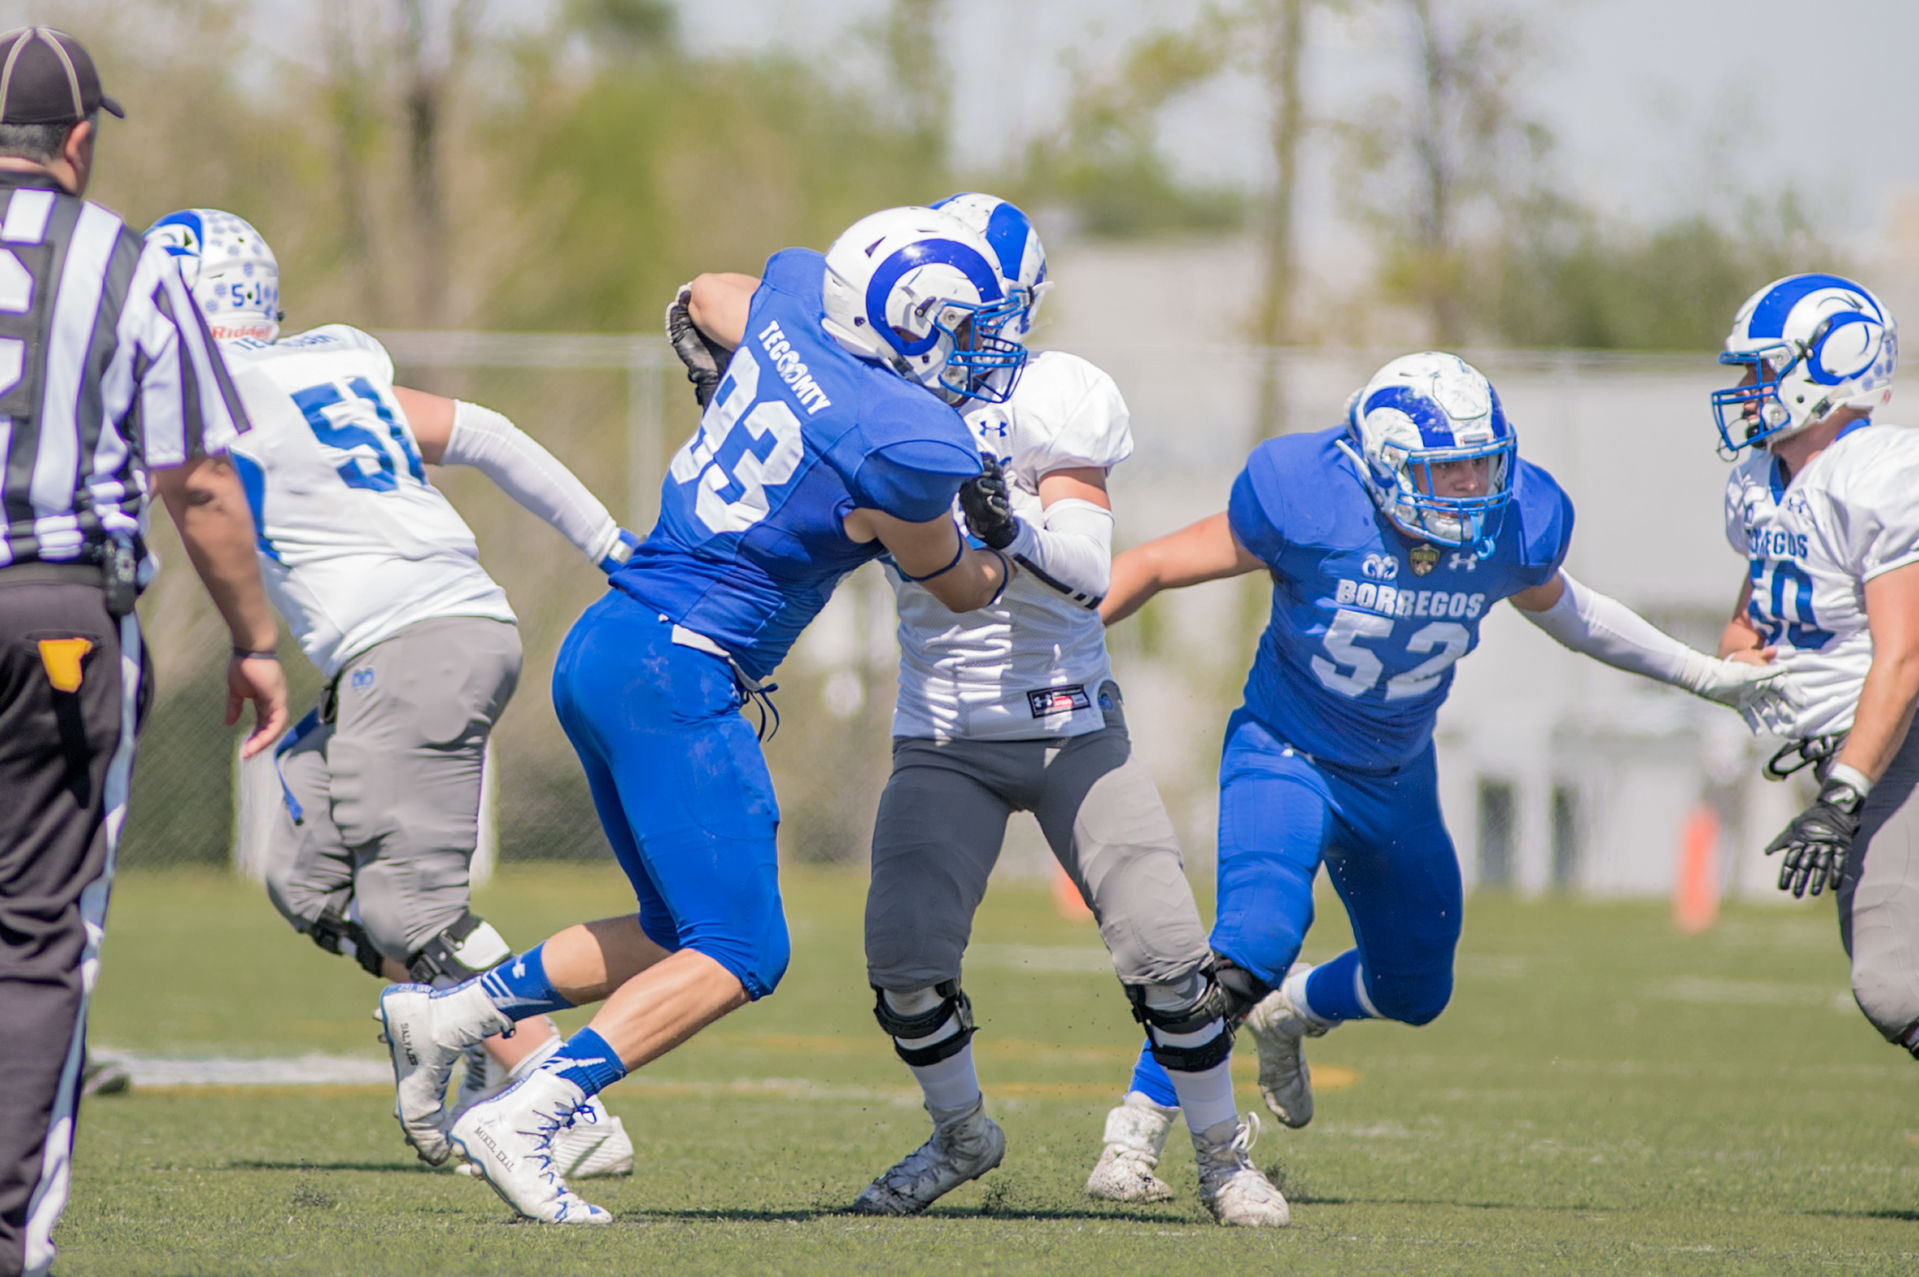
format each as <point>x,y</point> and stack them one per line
<point>533,1059</point>
<point>950,1086</point>
<point>1152,1081</point>
<point>587,1061</point>
<point>1333,991</point>
<point>520,988</point>
<point>1206,1097</point>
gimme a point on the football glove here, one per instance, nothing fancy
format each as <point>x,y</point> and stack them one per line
<point>1760,693</point>
<point>705,359</point>
<point>1818,840</point>
<point>987,504</point>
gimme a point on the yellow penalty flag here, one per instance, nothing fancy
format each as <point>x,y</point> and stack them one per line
<point>61,658</point>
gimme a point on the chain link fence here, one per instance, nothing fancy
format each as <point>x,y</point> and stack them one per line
<point>1557,774</point>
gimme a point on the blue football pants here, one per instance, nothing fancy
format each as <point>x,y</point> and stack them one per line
<point>1385,847</point>
<point>680,784</point>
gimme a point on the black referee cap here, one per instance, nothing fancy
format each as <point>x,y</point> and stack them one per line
<point>46,77</point>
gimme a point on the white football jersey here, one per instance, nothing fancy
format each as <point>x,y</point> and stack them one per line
<point>1031,664</point>
<point>354,543</point>
<point>1811,547</point>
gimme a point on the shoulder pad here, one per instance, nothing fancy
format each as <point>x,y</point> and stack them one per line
<point>1067,413</point>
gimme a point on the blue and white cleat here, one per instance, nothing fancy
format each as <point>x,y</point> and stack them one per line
<point>509,1140</point>
<point>426,1030</point>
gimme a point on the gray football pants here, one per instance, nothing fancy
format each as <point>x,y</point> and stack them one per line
<point>1879,901</point>
<point>943,816</point>
<point>390,790</point>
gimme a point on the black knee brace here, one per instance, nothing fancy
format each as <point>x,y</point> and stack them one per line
<point>1212,1006</point>
<point>955,1005</point>
<point>468,948</point>
<point>337,934</point>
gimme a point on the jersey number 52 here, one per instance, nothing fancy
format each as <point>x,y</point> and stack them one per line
<point>732,474</point>
<point>1446,640</point>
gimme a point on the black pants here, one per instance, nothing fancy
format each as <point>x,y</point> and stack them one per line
<point>69,705</point>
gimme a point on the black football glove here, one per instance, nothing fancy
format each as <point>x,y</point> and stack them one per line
<point>1818,840</point>
<point>988,506</point>
<point>705,359</point>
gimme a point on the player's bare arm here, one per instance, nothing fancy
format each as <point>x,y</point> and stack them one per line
<point>1739,641</point>
<point>209,508</point>
<point>1891,689</point>
<point>1203,551</point>
<point>934,554</point>
<point>718,303</point>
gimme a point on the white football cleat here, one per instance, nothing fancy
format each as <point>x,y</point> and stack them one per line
<point>594,1147</point>
<point>425,1031</point>
<point>1135,1136</point>
<point>1229,1184</point>
<point>509,1140</point>
<point>964,1148</point>
<point>1279,1030</point>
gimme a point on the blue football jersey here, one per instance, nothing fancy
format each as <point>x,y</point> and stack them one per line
<point>1367,620</point>
<point>749,544</point>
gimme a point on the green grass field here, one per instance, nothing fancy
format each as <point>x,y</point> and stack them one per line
<point>1602,1095</point>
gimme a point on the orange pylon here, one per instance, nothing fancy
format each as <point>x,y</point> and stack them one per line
<point>1695,890</point>
<point>1066,897</point>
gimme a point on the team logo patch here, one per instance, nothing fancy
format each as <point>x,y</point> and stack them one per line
<point>1425,558</point>
<point>1045,701</point>
<point>1379,567</point>
<point>362,679</point>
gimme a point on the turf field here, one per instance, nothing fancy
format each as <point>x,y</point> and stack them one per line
<point>1602,1095</point>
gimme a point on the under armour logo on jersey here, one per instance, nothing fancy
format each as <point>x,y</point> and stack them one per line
<point>1463,561</point>
<point>999,429</point>
<point>1379,567</point>
<point>362,679</point>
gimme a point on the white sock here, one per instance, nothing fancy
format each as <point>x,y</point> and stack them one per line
<point>1295,989</point>
<point>951,1086</point>
<point>1206,1097</point>
<point>531,1060</point>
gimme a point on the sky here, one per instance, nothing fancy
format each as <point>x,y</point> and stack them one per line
<point>1658,107</point>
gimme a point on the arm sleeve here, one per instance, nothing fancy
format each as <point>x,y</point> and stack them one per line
<point>1599,626</point>
<point>532,476</point>
<point>915,480</point>
<point>1071,551</point>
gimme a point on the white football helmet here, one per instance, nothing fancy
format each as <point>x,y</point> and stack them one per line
<point>1424,410</point>
<point>916,290</point>
<point>1811,344</point>
<point>1016,250</point>
<point>228,268</point>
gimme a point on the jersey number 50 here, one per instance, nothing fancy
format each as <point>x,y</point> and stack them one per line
<point>1446,640</point>
<point>732,475</point>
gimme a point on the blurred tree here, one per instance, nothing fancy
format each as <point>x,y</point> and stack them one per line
<point>1429,170</point>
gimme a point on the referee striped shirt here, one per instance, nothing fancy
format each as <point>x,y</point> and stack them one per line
<point>106,370</point>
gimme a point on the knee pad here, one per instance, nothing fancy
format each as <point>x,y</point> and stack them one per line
<point>341,935</point>
<point>1188,1028</point>
<point>953,1008</point>
<point>468,948</point>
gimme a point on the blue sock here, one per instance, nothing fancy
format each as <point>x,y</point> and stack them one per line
<point>520,988</point>
<point>1150,1080</point>
<point>587,1061</point>
<point>1332,990</point>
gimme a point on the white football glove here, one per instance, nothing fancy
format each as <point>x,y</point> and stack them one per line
<point>1760,693</point>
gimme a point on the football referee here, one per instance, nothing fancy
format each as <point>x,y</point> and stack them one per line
<point>107,374</point>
